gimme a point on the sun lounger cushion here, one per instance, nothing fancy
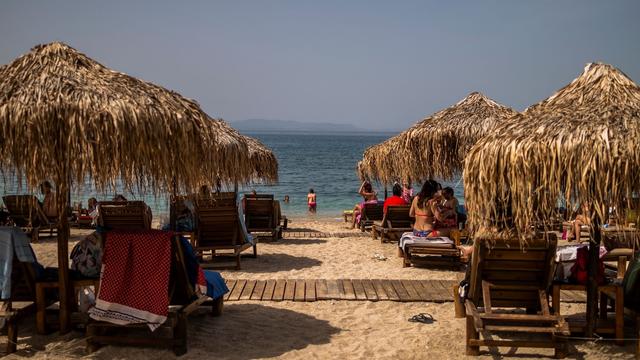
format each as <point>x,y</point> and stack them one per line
<point>409,238</point>
<point>134,286</point>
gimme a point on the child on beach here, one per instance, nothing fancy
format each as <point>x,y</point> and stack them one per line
<point>311,201</point>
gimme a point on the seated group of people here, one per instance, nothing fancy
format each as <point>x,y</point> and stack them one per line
<point>434,208</point>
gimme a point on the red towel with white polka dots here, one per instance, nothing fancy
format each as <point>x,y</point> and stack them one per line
<point>134,283</point>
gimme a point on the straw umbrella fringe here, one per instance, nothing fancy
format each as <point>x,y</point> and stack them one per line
<point>437,145</point>
<point>263,161</point>
<point>581,144</point>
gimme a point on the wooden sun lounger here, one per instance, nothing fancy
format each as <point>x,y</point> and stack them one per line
<point>124,215</point>
<point>262,215</point>
<point>26,213</point>
<point>370,213</point>
<point>218,229</point>
<point>395,222</point>
<point>436,254</point>
<point>182,304</point>
<point>505,278</point>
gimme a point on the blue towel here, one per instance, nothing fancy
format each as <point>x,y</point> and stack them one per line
<point>12,241</point>
<point>215,283</point>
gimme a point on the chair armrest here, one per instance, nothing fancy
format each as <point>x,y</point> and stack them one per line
<point>472,311</point>
<point>486,296</point>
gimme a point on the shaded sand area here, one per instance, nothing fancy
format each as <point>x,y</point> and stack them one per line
<point>312,330</point>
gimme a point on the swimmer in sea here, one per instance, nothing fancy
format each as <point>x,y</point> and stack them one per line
<point>311,201</point>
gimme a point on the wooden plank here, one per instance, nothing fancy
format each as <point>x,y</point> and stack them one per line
<point>348,292</point>
<point>248,290</point>
<point>299,291</point>
<point>268,290</point>
<point>334,289</point>
<point>237,290</point>
<point>278,291</point>
<point>400,290</point>
<point>230,285</point>
<point>440,292</point>
<point>369,290</point>
<point>391,292</point>
<point>321,290</point>
<point>258,290</point>
<point>448,289</point>
<point>380,291</point>
<point>359,290</point>
<point>310,290</point>
<point>289,290</point>
<point>413,293</point>
<point>424,293</point>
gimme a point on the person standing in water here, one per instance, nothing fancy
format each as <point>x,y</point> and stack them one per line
<point>311,201</point>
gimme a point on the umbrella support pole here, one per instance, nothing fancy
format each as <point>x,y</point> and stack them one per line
<point>592,275</point>
<point>65,290</point>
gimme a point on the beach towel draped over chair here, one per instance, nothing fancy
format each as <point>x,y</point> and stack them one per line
<point>432,251</point>
<point>505,278</point>
<point>150,279</point>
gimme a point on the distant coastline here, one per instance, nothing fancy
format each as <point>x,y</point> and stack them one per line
<point>270,126</point>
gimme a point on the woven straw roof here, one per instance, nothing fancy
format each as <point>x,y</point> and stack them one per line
<point>65,116</point>
<point>581,144</point>
<point>435,146</point>
<point>263,161</point>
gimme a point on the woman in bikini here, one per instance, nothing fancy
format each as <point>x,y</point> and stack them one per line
<point>426,211</point>
<point>311,201</point>
<point>369,195</point>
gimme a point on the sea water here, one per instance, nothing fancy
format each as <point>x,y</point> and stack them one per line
<point>324,162</point>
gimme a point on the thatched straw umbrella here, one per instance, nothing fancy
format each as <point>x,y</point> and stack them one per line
<point>67,118</point>
<point>581,144</point>
<point>437,145</point>
<point>263,161</point>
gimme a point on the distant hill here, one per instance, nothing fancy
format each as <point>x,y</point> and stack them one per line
<point>265,125</point>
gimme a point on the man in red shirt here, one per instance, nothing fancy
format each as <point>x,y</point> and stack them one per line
<point>395,199</point>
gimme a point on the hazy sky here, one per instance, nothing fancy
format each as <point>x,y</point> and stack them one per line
<point>375,64</point>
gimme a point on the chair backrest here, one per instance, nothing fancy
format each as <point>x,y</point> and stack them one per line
<point>259,213</point>
<point>398,216</point>
<point>373,211</point>
<point>25,210</point>
<point>217,223</point>
<point>259,196</point>
<point>124,215</point>
<point>518,274</point>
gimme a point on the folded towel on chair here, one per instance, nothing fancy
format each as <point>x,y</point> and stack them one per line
<point>409,238</point>
<point>134,284</point>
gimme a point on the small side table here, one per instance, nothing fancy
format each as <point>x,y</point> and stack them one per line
<point>603,325</point>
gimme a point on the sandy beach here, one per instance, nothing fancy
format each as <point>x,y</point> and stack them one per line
<point>316,330</point>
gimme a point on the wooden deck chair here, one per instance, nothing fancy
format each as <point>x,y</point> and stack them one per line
<point>435,254</point>
<point>370,213</point>
<point>395,222</point>
<point>505,278</point>
<point>260,215</point>
<point>218,229</point>
<point>183,302</point>
<point>25,211</point>
<point>21,300</point>
<point>124,215</point>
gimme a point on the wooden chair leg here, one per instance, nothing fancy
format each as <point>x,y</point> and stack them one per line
<point>555,300</point>
<point>216,308</point>
<point>619,312</point>
<point>12,335</point>
<point>180,335</point>
<point>472,334</point>
<point>92,346</point>
<point>255,251</point>
<point>560,351</point>
<point>238,262</point>
<point>41,310</point>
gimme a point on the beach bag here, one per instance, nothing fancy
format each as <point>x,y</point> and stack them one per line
<point>86,256</point>
<point>579,270</point>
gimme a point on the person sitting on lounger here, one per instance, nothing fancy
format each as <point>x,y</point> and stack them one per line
<point>369,196</point>
<point>49,204</point>
<point>407,191</point>
<point>425,210</point>
<point>582,219</point>
<point>448,207</point>
<point>395,199</point>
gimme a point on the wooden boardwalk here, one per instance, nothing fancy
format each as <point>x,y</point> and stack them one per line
<point>351,289</point>
<point>294,234</point>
